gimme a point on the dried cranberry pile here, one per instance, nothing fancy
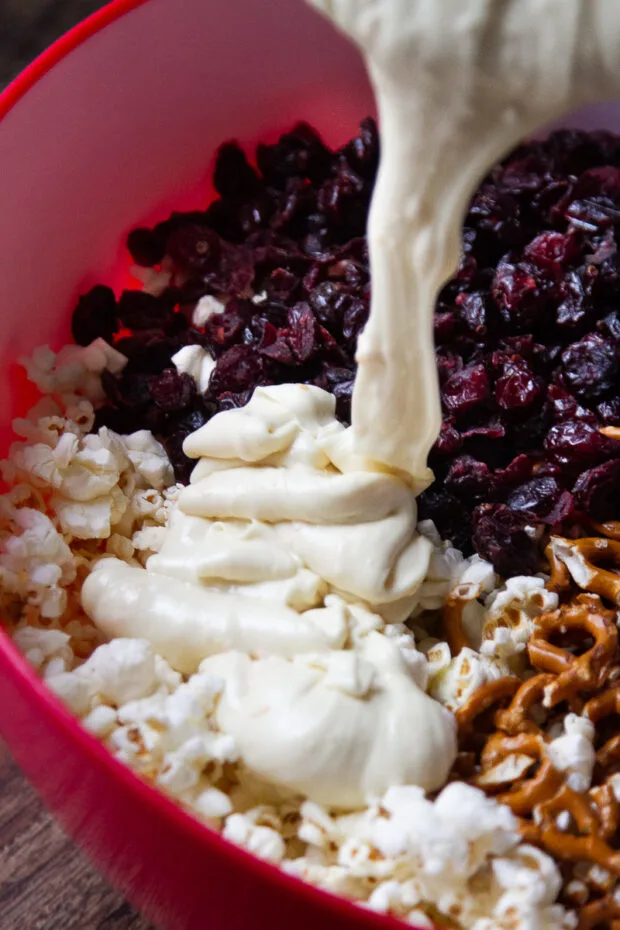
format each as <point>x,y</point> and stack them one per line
<point>527,332</point>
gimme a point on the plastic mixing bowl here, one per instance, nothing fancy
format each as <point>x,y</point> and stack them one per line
<point>112,127</point>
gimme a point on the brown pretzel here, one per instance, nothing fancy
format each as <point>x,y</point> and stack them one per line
<point>588,845</point>
<point>487,696</point>
<point>526,793</point>
<point>599,707</point>
<point>559,575</point>
<point>608,809</point>
<point>610,529</point>
<point>602,913</point>
<point>516,718</point>
<point>603,705</point>
<point>592,550</point>
<point>456,602</point>
<point>586,672</point>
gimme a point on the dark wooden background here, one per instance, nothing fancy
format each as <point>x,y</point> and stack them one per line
<point>45,883</point>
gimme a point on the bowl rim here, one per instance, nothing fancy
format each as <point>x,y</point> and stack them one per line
<point>100,756</point>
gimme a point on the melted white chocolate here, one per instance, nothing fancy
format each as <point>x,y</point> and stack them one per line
<point>457,84</point>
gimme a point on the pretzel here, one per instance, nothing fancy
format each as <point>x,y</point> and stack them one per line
<point>610,529</point>
<point>599,707</point>
<point>604,912</point>
<point>587,672</point>
<point>589,845</point>
<point>608,809</point>
<point>494,692</point>
<point>453,629</point>
<point>516,718</point>
<point>590,550</point>
<point>526,793</point>
<point>506,759</point>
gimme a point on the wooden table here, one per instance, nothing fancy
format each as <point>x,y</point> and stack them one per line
<point>45,883</point>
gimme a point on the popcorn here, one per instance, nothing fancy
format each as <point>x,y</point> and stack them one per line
<point>447,569</point>
<point>262,841</point>
<point>206,307</point>
<point>452,683</point>
<point>511,612</point>
<point>573,752</point>
<point>149,459</point>
<point>120,671</point>
<point>197,362</point>
<point>74,369</point>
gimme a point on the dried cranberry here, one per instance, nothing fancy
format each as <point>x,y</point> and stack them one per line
<point>238,369</point>
<point>173,391</point>
<point>536,498</point>
<point>597,491</point>
<point>146,247</point>
<point>194,248</point>
<point>472,310</point>
<point>138,310</point>
<point>95,316</point>
<point>576,443</point>
<point>362,153</point>
<point>470,480</point>
<point>518,295</point>
<point>225,329</point>
<point>299,153</point>
<point>501,537</point>
<point>303,332</point>
<point>451,517</point>
<point>449,440</point>
<point>517,387</point>
<point>591,367</point>
<point>233,176</point>
<point>609,411</point>
<point>552,251</point>
<point>465,389</point>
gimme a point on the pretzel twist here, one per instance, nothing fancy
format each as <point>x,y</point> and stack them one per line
<point>454,607</point>
<point>517,717</point>
<point>587,672</point>
<point>604,912</point>
<point>589,551</point>
<point>491,694</point>
<point>588,845</point>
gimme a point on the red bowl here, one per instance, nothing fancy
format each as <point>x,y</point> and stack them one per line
<point>112,127</point>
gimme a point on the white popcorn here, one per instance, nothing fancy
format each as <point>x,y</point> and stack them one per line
<point>50,643</point>
<point>448,568</point>
<point>196,362</point>
<point>385,897</point>
<point>75,369</point>
<point>73,691</point>
<point>120,671</point>
<point>153,282</point>
<point>453,684</point>
<point>101,721</point>
<point>514,608</point>
<point>212,804</point>
<point>84,519</point>
<point>206,307</point>
<point>149,458</point>
<point>452,835</point>
<point>262,841</point>
<point>573,752</point>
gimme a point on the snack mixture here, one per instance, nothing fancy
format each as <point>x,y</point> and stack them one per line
<point>505,635</point>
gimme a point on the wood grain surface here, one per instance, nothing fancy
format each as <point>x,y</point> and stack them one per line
<point>45,883</point>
